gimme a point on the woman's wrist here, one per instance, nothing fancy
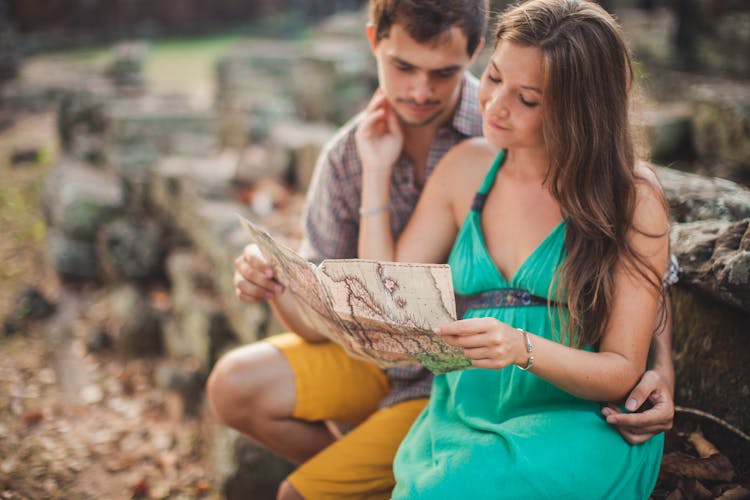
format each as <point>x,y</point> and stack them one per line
<point>528,348</point>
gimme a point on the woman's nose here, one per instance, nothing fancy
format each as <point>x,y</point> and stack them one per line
<point>497,104</point>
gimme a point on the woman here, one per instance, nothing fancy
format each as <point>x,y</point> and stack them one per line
<point>558,247</point>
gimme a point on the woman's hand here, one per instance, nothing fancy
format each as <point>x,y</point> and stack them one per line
<point>487,342</point>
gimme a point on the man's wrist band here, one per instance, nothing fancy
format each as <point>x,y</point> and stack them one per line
<point>372,211</point>
<point>529,349</point>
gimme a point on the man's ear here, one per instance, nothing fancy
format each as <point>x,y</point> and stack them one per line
<point>371,36</point>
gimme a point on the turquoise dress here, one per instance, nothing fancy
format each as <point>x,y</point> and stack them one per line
<point>507,433</point>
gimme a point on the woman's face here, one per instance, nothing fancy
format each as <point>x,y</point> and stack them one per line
<point>510,95</point>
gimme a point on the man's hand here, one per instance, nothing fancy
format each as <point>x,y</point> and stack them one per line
<point>253,276</point>
<point>639,427</point>
<point>379,138</point>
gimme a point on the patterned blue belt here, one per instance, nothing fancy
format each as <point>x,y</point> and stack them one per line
<point>501,297</point>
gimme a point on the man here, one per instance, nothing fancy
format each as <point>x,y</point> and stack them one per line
<point>281,392</point>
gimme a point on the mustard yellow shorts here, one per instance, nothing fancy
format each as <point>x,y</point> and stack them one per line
<point>331,385</point>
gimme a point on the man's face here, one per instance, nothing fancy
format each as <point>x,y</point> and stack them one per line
<point>422,82</point>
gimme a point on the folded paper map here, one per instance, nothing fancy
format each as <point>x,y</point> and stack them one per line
<point>383,312</point>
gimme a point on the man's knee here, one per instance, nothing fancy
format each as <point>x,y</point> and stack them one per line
<point>288,492</point>
<point>248,382</point>
<point>221,391</point>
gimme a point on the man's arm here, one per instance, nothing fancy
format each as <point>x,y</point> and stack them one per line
<point>254,282</point>
<point>330,232</point>
<point>655,386</point>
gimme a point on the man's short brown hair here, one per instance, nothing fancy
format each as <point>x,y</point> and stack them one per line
<point>425,20</point>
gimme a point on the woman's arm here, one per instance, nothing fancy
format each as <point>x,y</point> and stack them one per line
<point>607,375</point>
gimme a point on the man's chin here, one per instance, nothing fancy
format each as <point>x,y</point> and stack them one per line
<point>411,120</point>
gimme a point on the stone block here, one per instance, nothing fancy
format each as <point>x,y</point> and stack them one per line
<point>73,260</point>
<point>710,353</point>
<point>714,258</point>
<point>198,329</point>
<point>301,143</point>
<point>725,47</point>
<point>161,123</point>
<point>78,198</point>
<point>126,70</point>
<point>135,324</point>
<point>721,121</point>
<point>667,128</point>
<point>650,33</point>
<point>243,469</point>
<point>130,249</point>
<point>257,163</point>
<point>694,197</point>
<point>333,81</point>
<point>187,380</point>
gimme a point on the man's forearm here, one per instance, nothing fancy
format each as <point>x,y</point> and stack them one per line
<point>287,309</point>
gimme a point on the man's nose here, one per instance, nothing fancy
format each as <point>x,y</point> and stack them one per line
<point>422,90</point>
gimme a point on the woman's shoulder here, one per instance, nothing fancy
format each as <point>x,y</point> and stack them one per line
<point>469,155</point>
<point>650,213</point>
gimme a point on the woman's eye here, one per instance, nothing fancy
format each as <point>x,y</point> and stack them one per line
<point>530,104</point>
<point>493,79</point>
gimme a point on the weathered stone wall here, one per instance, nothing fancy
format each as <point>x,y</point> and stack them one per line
<point>45,25</point>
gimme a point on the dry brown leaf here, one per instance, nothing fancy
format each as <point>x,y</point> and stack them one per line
<point>702,446</point>
<point>32,417</point>
<point>714,468</point>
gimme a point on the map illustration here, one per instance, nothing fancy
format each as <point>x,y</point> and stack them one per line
<point>383,312</point>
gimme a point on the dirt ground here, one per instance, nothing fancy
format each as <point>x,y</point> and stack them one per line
<point>111,433</point>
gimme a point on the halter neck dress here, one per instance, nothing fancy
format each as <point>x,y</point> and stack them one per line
<point>508,433</point>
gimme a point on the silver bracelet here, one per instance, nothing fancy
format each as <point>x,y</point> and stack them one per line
<point>529,349</point>
<point>373,211</point>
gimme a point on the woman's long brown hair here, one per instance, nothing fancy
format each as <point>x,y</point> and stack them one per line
<point>587,133</point>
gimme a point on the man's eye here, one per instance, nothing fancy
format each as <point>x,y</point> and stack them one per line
<point>493,79</point>
<point>448,73</point>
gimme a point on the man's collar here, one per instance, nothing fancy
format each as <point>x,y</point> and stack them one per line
<point>468,119</point>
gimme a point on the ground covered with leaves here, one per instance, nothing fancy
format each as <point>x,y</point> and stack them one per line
<point>74,424</point>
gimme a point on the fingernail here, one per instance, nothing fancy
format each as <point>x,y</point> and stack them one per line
<point>436,329</point>
<point>631,404</point>
<point>278,288</point>
<point>269,273</point>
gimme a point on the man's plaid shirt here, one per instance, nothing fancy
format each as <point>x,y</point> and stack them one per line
<point>332,209</point>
